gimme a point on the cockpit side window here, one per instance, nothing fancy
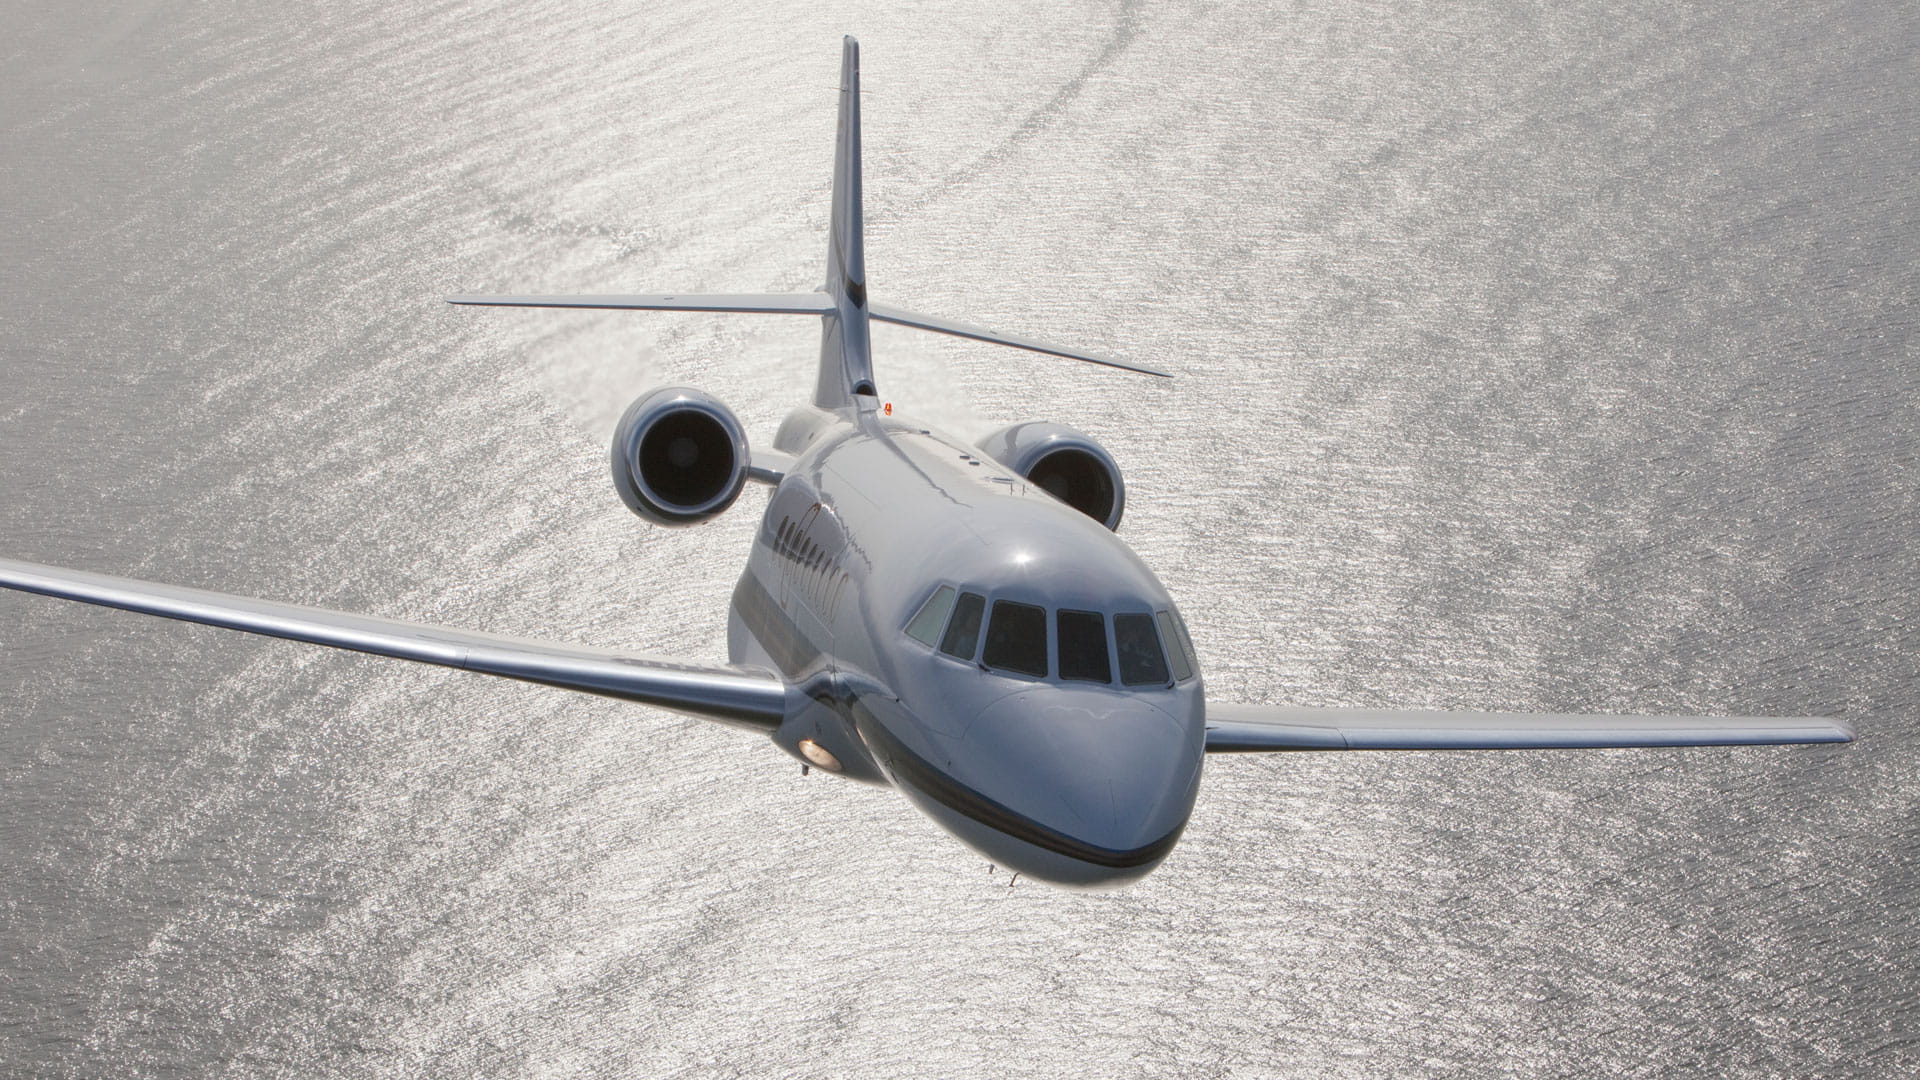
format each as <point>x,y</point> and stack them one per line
<point>1017,639</point>
<point>1141,661</point>
<point>1176,650</point>
<point>926,624</point>
<point>1083,646</point>
<point>963,633</point>
<point>1186,640</point>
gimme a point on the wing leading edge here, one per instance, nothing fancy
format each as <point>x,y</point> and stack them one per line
<point>1241,729</point>
<point>742,697</point>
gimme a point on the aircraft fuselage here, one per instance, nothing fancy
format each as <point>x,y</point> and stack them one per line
<point>1019,749</point>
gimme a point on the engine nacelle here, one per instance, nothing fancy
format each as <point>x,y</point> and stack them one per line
<point>1068,464</point>
<point>679,456</point>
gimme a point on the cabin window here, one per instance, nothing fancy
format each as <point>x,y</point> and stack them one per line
<point>1176,651</point>
<point>1017,639</point>
<point>1083,646</point>
<point>926,624</point>
<point>1141,661</point>
<point>963,633</point>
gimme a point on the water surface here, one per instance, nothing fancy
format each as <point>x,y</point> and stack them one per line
<point>1529,359</point>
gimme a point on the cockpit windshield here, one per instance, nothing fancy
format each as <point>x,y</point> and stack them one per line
<point>1145,648</point>
<point>1083,646</point>
<point>963,633</point>
<point>1017,639</point>
<point>1141,661</point>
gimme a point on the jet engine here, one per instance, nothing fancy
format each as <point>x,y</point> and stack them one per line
<point>679,456</point>
<point>1068,464</point>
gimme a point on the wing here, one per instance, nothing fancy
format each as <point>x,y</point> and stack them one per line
<point>743,697</point>
<point>1241,729</point>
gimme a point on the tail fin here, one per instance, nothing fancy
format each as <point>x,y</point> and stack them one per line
<point>846,354</point>
<point>846,257</point>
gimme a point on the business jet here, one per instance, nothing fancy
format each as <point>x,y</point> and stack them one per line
<point>957,621</point>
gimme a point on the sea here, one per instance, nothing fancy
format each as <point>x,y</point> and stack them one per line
<point>1530,357</point>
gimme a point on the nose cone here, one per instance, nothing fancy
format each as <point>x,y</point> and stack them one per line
<point>1098,783</point>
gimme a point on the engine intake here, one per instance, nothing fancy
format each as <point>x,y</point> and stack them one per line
<point>679,456</point>
<point>1067,464</point>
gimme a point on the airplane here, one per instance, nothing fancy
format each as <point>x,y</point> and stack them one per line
<point>956,620</point>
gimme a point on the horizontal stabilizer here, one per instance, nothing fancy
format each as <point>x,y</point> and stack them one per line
<point>744,697</point>
<point>749,303</point>
<point>796,304</point>
<point>1235,729</point>
<point>981,333</point>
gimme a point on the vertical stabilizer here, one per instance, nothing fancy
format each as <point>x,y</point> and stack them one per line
<point>846,261</point>
<point>846,361</point>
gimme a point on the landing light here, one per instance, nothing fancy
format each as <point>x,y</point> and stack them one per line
<point>819,755</point>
